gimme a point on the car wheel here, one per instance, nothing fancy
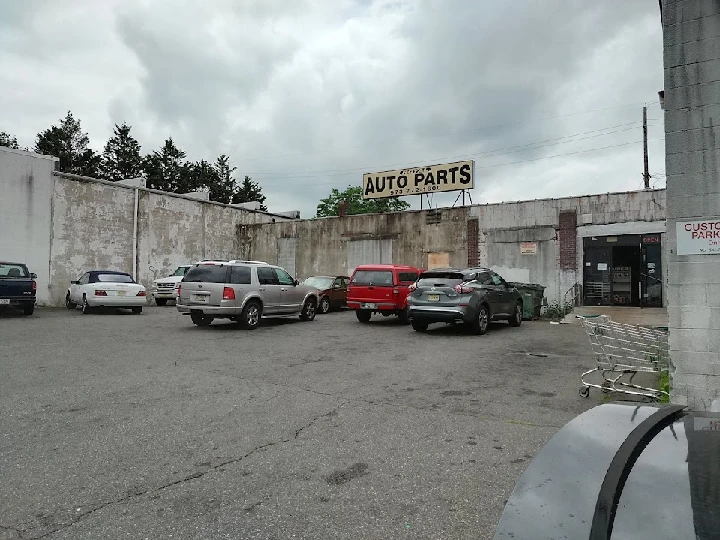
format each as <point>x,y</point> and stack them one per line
<point>250,316</point>
<point>308,310</point>
<point>68,303</point>
<point>419,326</point>
<point>161,301</point>
<point>85,306</point>
<point>480,325</point>
<point>201,320</point>
<point>363,316</point>
<point>516,319</point>
<point>137,310</point>
<point>324,305</point>
<point>28,310</point>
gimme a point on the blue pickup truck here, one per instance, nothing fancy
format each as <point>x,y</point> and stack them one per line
<point>17,287</point>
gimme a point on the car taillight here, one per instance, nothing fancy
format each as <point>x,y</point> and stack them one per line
<point>228,293</point>
<point>34,285</point>
<point>100,293</point>
<point>178,291</point>
<point>395,291</point>
<point>141,293</point>
<point>463,289</point>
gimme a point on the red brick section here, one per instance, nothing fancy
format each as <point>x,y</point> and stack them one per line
<point>568,235</point>
<point>472,241</point>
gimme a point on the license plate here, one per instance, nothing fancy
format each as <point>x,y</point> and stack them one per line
<point>433,297</point>
<point>4,301</point>
<point>199,298</point>
<point>121,293</point>
<point>369,306</point>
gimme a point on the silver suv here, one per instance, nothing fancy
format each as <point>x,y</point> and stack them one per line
<point>242,291</point>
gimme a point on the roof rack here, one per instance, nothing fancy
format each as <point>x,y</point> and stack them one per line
<point>246,262</point>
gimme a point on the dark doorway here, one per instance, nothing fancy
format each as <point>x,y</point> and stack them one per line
<point>623,271</point>
<point>625,276</point>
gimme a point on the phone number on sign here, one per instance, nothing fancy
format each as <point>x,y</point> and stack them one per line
<point>410,191</point>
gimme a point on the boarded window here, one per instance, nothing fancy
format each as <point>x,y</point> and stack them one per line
<point>438,259</point>
<point>368,252</point>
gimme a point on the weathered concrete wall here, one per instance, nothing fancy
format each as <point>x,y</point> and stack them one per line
<point>329,246</point>
<point>92,229</point>
<point>26,185</point>
<point>63,225</point>
<point>502,227</point>
<point>322,244</point>
<point>93,224</point>
<point>692,146</point>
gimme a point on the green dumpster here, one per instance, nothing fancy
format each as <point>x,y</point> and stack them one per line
<point>532,294</point>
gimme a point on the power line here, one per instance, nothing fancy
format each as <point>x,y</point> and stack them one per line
<point>524,160</point>
<point>431,135</point>
<point>485,154</point>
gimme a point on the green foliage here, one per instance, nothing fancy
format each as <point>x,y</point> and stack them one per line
<point>69,143</point>
<point>9,141</point>
<point>166,170</point>
<point>249,191</point>
<point>121,158</point>
<point>555,311</point>
<point>356,204</point>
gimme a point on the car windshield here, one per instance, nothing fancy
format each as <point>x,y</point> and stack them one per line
<point>115,278</point>
<point>181,271</point>
<point>319,282</point>
<point>9,271</point>
<point>372,277</point>
<point>440,279</point>
<point>206,273</point>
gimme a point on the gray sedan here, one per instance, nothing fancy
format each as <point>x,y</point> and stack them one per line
<point>470,296</point>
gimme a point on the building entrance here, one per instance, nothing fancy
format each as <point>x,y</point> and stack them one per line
<point>622,270</point>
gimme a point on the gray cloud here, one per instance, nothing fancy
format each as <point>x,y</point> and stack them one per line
<point>291,88</point>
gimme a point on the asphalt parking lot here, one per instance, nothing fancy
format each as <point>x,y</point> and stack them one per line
<point>145,426</point>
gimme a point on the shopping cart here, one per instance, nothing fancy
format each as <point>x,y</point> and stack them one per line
<point>621,352</point>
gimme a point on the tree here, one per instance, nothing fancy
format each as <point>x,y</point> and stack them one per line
<point>225,186</point>
<point>121,158</point>
<point>249,191</point>
<point>165,170</point>
<point>356,204</point>
<point>9,141</point>
<point>70,144</point>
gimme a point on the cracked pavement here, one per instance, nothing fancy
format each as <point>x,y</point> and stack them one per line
<point>123,426</point>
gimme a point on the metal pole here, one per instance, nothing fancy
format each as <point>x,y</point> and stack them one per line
<point>646,172</point>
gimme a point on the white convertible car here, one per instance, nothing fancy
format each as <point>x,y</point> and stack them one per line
<point>106,288</point>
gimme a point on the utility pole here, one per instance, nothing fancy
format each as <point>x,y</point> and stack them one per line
<point>646,172</point>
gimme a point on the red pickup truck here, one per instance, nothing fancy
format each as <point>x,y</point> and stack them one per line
<point>380,288</point>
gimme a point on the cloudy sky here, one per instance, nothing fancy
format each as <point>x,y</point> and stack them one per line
<point>305,95</point>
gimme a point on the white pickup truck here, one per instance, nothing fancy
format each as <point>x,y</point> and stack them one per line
<point>165,289</point>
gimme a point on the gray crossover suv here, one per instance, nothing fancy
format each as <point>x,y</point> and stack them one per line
<point>243,291</point>
<point>472,296</point>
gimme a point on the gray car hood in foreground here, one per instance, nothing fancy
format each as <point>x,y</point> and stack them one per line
<point>671,491</point>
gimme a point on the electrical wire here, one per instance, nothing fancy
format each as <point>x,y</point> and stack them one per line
<point>444,134</point>
<point>447,159</point>
<point>524,160</point>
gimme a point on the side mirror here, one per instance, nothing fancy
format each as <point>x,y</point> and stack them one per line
<point>74,282</point>
<point>33,275</point>
<point>296,282</point>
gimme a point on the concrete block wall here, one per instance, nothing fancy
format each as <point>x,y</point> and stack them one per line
<point>63,225</point>
<point>25,212</point>
<point>322,244</point>
<point>691,46</point>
